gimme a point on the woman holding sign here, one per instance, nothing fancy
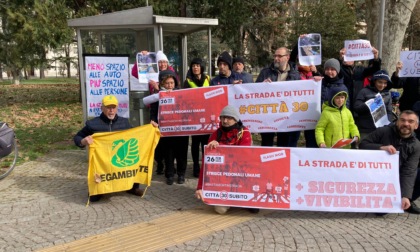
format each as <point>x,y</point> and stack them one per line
<point>230,132</point>
<point>196,78</point>
<point>171,147</point>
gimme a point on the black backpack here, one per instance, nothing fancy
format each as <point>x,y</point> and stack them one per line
<point>7,138</point>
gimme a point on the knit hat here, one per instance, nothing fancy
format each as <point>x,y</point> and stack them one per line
<point>199,62</point>
<point>109,100</point>
<point>164,74</point>
<point>161,56</point>
<point>333,63</point>
<point>230,111</point>
<point>225,57</point>
<point>238,59</point>
<point>381,75</point>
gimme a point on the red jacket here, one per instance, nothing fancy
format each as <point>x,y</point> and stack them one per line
<point>237,136</point>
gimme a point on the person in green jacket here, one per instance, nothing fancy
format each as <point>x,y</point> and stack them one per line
<point>336,120</point>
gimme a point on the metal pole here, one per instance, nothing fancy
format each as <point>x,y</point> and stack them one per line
<point>184,58</point>
<point>160,37</point>
<point>81,74</point>
<point>210,59</point>
<point>381,27</point>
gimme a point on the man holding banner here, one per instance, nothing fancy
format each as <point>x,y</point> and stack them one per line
<point>280,70</point>
<point>400,138</point>
<point>230,132</point>
<point>106,122</point>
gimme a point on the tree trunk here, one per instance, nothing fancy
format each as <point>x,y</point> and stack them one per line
<point>397,16</point>
<point>68,62</point>
<point>16,75</point>
<point>42,65</point>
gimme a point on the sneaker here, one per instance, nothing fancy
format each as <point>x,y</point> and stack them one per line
<point>414,209</point>
<point>170,181</point>
<point>181,180</point>
<point>381,214</point>
<point>254,210</point>
<point>95,198</point>
<point>136,191</point>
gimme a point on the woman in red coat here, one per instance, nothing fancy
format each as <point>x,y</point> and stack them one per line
<point>230,132</point>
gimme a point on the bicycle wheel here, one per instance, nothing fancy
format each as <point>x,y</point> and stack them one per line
<point>7,163</point>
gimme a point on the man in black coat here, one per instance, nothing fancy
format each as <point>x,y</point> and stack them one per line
<point>400,137</point>
<point>280,70</point>
<point>107,121</point>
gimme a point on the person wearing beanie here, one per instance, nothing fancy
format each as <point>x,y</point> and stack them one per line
<point>170,148</point>
<point>332,78</point>
<point>356,76</point>
<point>226,75</point>
<point>197,78</point>
<point>231,131</point>
<point>336,121</point>
<point>107,121</point>
<point>163,64</point>
<point>238,66</point>
<point>280,70</point>
<point>380,80</point>
<point>332,63</point>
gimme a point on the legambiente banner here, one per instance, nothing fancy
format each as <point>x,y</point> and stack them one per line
<point>263,107</point>
<point>332,180</point>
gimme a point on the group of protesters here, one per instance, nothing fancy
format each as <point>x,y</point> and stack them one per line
<point>345,88</point>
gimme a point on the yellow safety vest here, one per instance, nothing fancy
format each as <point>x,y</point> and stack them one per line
<point>205,84</point>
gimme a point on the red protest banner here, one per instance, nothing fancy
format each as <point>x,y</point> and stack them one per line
<point>192,111</point>
<point>258,177</point>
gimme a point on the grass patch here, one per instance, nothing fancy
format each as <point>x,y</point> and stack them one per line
<point>49,80</point>
<point>45,117</point>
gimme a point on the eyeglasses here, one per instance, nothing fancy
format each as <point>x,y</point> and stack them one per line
<point>279,55</point>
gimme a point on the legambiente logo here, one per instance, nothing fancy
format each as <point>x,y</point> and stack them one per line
<point>127,153</point>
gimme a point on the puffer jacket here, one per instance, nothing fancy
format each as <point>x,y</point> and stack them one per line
<point>329,83</point>
<point>364,120</point>
<point>101,124</point>
<point>273,73</point>
<point>335,123</point>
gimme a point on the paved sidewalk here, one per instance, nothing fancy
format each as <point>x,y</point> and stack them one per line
<point>43,207</point>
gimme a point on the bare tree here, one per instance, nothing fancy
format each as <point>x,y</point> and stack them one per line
<point>397,16</point>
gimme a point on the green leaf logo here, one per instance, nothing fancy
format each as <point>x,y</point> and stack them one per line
<point>127,153</point>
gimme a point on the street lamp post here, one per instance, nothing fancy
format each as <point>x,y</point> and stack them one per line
<point>381,27</point>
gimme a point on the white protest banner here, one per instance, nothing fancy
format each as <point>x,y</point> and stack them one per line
<point>309,47</point>
<point>378,111</point>
<point>147,69</point>
<point>107,75</point>
<point>332,180</point>
<point>277,106</point>
<point>345,181</point>
<point>411,64</point>
<point>359,49</point>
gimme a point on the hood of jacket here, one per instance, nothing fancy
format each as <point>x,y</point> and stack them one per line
<point>333,92</point>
